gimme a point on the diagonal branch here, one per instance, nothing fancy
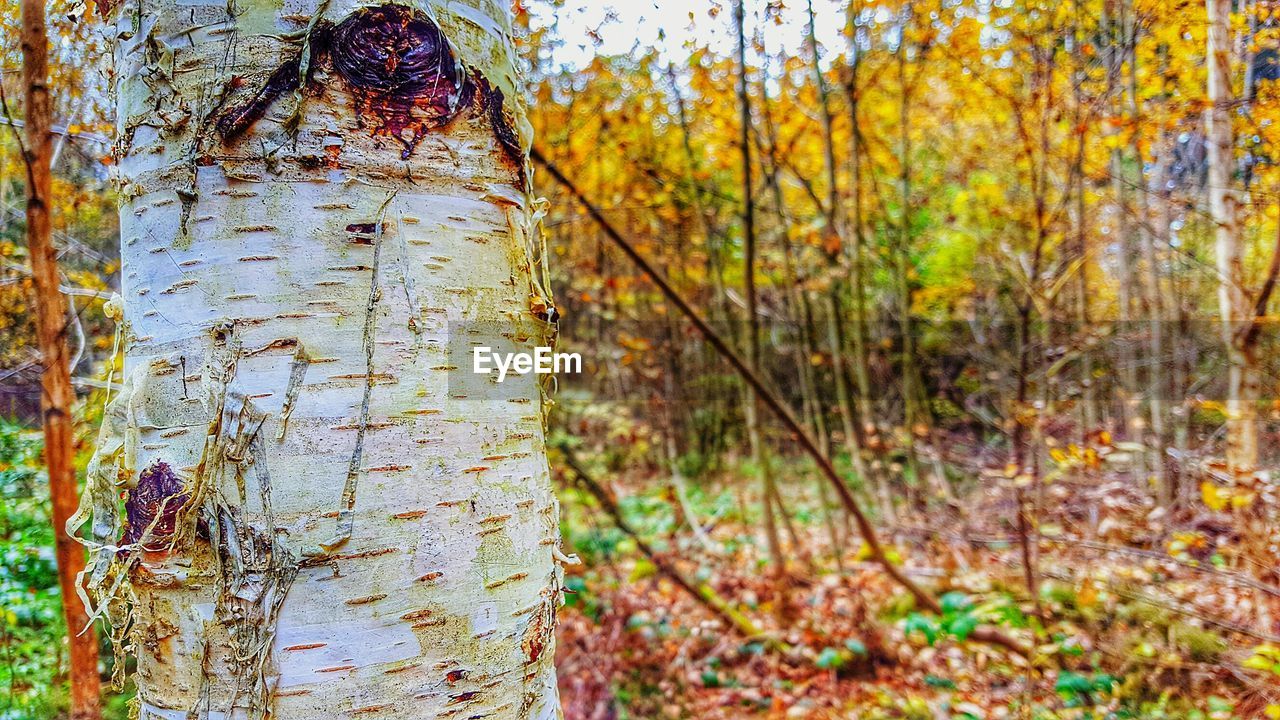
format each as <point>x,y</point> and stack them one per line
<point>701,592</point>
<point>1264,295</point>
<point>766,396</point>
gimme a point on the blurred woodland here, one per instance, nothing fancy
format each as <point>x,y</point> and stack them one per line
<point>1009,264</point>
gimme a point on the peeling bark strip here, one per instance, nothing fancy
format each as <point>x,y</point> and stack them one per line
<point>305,533</point>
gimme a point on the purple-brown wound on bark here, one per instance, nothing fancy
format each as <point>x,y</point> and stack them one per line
<point>502,128</point>
<point>401,71</point>
<point>154,503</point>
<point>236,120</point>
<point>402,75</point>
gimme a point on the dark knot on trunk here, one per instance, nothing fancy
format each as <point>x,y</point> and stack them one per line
<point>397,51</point>
<point>401,70</point>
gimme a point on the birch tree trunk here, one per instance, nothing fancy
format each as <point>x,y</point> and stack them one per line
<point>324,206</point>
<point>1224,209</point>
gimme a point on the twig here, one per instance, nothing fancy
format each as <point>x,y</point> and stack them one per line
<point>1230,577</point>
<point>1264,294</point>
<point>61,130</point>
<point>1181,609</point>
<point>702,593</point>
<point>14,124</point>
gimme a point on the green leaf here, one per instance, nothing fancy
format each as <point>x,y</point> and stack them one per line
<point>1103,682</point>
<point>954,602</point>
<point>1070,683</point>
<point>924,625</point>
<point>962,626</point>
<point>829,659</point>
<point>941,683</point>
<point>857,647</point>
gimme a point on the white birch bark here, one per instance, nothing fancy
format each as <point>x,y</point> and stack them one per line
<point>322,522</point>
<point>1224,210</point>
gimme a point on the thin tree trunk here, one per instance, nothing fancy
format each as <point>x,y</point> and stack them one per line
<point>799,309</point>
<point>857,281</point>
<point>671,433</point>
<point>813,408</point>
<point>57,395</point>
<point>912,388</point>
<point>719,308</point>
<point>1118,26</point>
<point>1237,314</point>
<point>1028,545</point>
<point>1088,396</point>
<point>1157,322</point>
<point>1224,210</point>
<point>327,514</point>
<point>833,215</point>
<point>800,314</point>
<point>1154,439</point>
<point>797,545</point>
<point>829,521</point>
<point>857,265</point>
<point>759,453</point>
<point>715,254</point>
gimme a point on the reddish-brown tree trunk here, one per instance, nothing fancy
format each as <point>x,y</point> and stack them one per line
<point>51,320</point>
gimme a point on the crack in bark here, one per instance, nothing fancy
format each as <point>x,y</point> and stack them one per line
<point>346,510</point>
<point>297,371</point>
<point>410,291</point>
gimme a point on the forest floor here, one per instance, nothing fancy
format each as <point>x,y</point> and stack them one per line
<point>1147,614</point>
<point>1144,614</point>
